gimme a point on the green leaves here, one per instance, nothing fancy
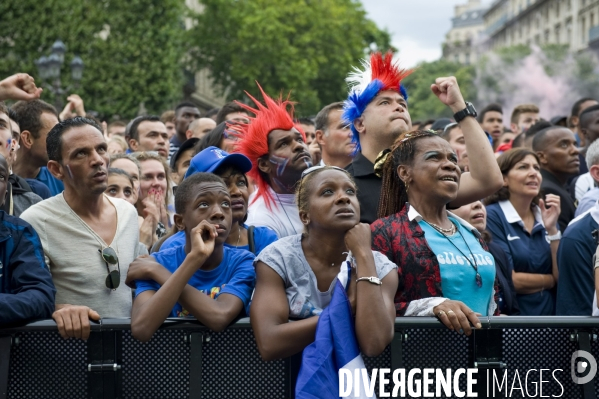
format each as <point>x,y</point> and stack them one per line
<point>423,104</point>
<point>303,46</point>
<point>139,60</point>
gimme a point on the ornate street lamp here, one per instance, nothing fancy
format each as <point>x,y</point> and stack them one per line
<point>49,72</point>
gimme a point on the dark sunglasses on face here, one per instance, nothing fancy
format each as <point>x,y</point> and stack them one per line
<point>113,280</point>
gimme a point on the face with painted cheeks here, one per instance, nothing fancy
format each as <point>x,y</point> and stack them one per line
<point>287,158</point>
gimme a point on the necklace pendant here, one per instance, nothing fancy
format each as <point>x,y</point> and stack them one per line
<point>479,280</point>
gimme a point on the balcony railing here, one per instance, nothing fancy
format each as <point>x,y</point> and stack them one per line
<point>184,359</point>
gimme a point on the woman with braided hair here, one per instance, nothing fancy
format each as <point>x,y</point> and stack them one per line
<point>443,265</point>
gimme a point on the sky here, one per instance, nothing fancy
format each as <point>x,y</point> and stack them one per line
<point>417,27</point>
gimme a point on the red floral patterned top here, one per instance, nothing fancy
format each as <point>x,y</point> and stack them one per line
<point>403,242</point>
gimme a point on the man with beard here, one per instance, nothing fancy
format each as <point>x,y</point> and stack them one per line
<point>87,251</point>
<point>279,155</point>
<point>377,111</point>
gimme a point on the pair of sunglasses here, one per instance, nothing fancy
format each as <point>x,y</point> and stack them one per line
<point>113,280</point>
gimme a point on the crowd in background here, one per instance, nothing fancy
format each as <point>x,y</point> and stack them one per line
<point>248,210</point>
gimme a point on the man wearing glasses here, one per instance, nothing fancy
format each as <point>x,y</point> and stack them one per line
<point>89,239</point>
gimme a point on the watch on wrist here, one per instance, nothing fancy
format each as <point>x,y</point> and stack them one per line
<point>554,237</point>
<point>468,111</point>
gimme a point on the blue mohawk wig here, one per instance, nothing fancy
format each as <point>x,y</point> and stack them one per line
<point>378,74</point>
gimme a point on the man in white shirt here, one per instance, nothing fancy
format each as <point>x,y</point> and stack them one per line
<point>89,239</point>
<point>279,155</point>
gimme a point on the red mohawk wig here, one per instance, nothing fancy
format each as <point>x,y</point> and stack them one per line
<point>253,143</point>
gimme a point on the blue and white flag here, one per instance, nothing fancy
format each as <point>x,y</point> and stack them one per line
<point>334,348</point>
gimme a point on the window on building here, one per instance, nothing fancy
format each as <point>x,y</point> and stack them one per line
<point>557,34</point>
<point>583,27</point>
<point>557,9</point>
<point>546,38</point>
<point>467,59</point>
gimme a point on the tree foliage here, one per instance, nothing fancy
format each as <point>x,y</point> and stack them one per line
<point>303,46</point>
<point>136,59</point>
<point>423,104</point>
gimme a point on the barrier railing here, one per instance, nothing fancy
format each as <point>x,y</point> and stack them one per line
<point>184,359</point>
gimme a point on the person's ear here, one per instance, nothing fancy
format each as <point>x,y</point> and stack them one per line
<point>404,173</point>
<point>505,181</point>
<point>26,139</point>
<point>178,219</point>
<point>304,218</point>
<point>515,128</point>
<point>542,158</point>
<point>583,131</point>
<point>594,171</point>
<point>56,169</point>
<point>359,124</point>
<point>320,138</point>
<point>188,134</point>
<point>264,165</point>
<point>133,144</point>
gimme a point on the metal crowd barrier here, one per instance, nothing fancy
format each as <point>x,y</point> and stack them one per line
<point>186,360</point>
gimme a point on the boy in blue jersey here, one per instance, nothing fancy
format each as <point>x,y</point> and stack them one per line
<point>201,278</point>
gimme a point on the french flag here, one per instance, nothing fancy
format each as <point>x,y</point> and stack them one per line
<point>334,348</point>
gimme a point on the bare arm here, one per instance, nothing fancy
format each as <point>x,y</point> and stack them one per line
<point>269,314</point>
<point>485,177</point>
<point>375,310</point>
<point>529,283</point>
<point>151,308</point>
<point>214,314</point>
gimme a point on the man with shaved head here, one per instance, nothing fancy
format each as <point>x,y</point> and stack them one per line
<point>558,154</point>
<point>200,127</point>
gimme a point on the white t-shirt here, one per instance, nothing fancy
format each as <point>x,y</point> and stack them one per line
<point>71,249</point>
<point>584,184</point>
<point>283,217</point>
<point>287,258</point>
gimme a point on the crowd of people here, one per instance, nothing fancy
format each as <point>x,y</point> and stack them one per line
<point>250,211</point>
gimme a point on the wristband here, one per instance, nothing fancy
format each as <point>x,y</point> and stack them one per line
<point>371,280</point>
<point>554,237</point>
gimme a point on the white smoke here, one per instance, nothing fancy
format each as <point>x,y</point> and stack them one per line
<point>553,85</point>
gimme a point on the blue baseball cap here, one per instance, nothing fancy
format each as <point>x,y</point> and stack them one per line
<point>211,158</point>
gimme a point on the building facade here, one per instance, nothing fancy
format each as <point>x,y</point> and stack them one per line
<point>574,23</point>
<point>466,27</point>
